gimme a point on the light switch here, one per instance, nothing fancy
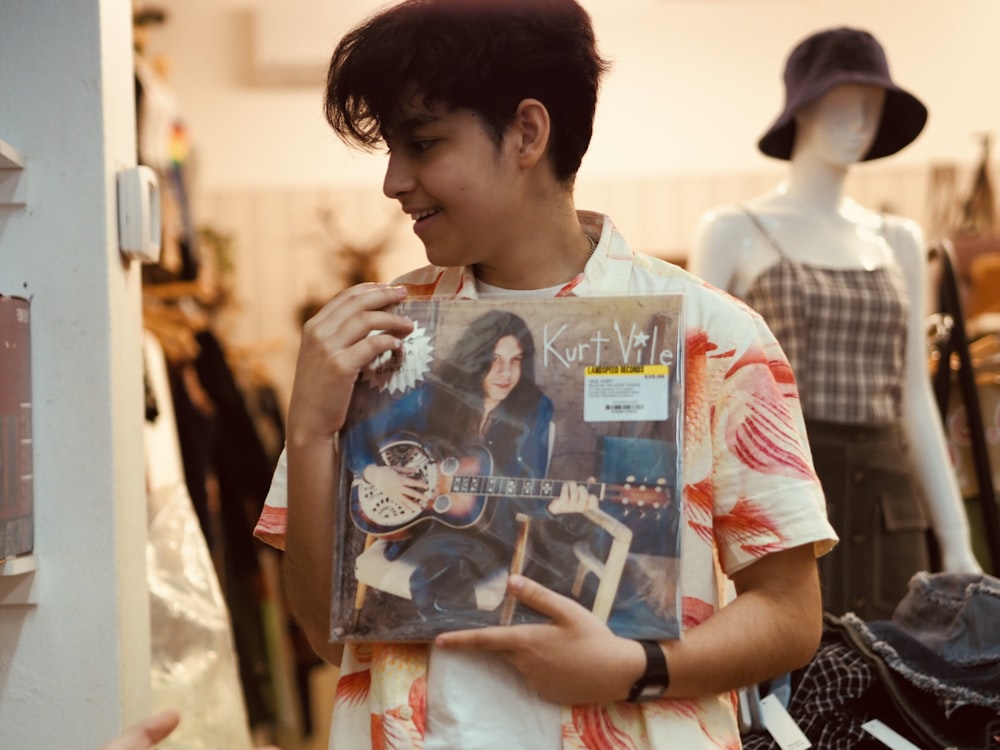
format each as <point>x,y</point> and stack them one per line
<point>139,224</point>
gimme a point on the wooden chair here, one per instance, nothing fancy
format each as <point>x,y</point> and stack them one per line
<point>373,570</point>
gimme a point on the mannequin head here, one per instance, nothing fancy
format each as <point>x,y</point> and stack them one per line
<point>830,59</point>
<point>840,127</point>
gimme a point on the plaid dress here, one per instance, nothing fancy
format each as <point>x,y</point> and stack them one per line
<point>844,332</point>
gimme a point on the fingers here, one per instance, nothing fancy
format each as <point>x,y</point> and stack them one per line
<point>545,601</point>
<point>362,309</point>
<point>583,499</point>
<point>417,485</point>
<point>366,296</point>
<point>146,733</point>
<point>356,325</point>
<point>558,608</point>
<point>410,504</point>
<point>573,498</point>
<point>160,725</point>
<point>394,484</point>
<point>392,478</point>
<point>487,639</point>
<point>413,497</point>
<point>346,335</point>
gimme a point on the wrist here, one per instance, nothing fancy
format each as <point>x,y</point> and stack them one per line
<point>654,680</point>
<point>299,436</point>
<point>633,664</point>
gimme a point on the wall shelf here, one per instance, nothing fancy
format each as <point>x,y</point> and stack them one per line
<point>18,566</point>
<point>10,157</point>
<point>17,581</point>
<point>12,187</point>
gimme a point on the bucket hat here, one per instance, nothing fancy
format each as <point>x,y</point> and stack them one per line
<point>843,55</point>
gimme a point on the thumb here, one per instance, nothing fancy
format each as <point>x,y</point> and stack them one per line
<point>156,727</point>
<point>146,733</point>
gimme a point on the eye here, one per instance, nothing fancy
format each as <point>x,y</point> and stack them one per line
<point>414,145</point>
<point>420,145</point>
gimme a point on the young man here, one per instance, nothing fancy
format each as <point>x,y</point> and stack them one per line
<point>487,109</point>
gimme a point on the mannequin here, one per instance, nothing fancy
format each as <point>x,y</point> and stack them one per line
<point>804,252</point>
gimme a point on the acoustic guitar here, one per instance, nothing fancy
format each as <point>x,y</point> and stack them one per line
<point>459,487</point>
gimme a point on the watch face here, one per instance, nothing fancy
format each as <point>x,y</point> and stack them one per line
<point>653,684</point>
<point>651,692</point>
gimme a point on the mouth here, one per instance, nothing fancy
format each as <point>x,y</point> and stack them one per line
<point>419,216</point>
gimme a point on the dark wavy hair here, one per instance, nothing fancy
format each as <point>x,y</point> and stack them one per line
<point>483,55</point>
<point>457,405</point>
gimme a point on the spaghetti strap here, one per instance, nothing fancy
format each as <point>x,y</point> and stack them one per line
<point>767,235</point>
<point>883,227</point>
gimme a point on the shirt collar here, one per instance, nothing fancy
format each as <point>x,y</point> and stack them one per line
<point>606,273</point>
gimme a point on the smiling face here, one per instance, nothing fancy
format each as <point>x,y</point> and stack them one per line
<point>840,127</point>
<point>454,180</point>
<point>504,373</point>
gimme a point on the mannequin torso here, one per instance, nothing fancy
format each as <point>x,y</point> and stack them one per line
<point>731,252</point>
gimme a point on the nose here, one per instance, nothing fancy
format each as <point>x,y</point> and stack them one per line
<point>862,119</point>
<point>869,113</point>
<point>398,176</point>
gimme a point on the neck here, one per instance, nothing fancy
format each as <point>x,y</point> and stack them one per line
<point>814,185</point>
<point>489,405</point>
<point>544,249</point>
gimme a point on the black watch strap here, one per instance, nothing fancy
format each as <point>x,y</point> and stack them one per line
<point>656,679</point>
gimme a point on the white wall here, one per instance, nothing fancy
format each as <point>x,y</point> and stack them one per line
<point>74,635</point>
<point>695,82</point>
<point>703,77</point>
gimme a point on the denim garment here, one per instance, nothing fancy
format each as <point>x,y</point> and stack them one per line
<point>944,638</point>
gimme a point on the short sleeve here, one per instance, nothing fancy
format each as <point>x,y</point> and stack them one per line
<point>273,521</point>
<point>755,488</point>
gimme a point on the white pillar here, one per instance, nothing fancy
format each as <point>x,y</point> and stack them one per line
<point>74,635</point>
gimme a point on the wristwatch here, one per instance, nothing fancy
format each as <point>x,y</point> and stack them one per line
<point>656,679</point>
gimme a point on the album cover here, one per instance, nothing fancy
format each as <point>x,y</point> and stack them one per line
<point>539,436</point>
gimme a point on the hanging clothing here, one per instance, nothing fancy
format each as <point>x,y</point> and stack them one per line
<point>931,673</point>
<point>193,659</point>
<point>227,472</point>
<point>162,144</point>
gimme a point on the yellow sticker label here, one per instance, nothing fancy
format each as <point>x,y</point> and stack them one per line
<point>660,370</point>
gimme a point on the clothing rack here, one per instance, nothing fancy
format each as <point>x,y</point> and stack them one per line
<point>957,342</point>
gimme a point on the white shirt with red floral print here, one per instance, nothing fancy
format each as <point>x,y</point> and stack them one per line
<point>748,486</point>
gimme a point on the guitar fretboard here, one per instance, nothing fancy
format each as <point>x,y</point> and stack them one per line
<point>547,488</point>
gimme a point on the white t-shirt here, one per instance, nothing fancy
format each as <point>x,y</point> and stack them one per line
<point>503,704</point>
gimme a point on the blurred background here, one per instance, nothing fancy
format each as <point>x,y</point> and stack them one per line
<point>694,83</point>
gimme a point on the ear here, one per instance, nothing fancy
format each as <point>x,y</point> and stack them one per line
<point>532,128</point>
